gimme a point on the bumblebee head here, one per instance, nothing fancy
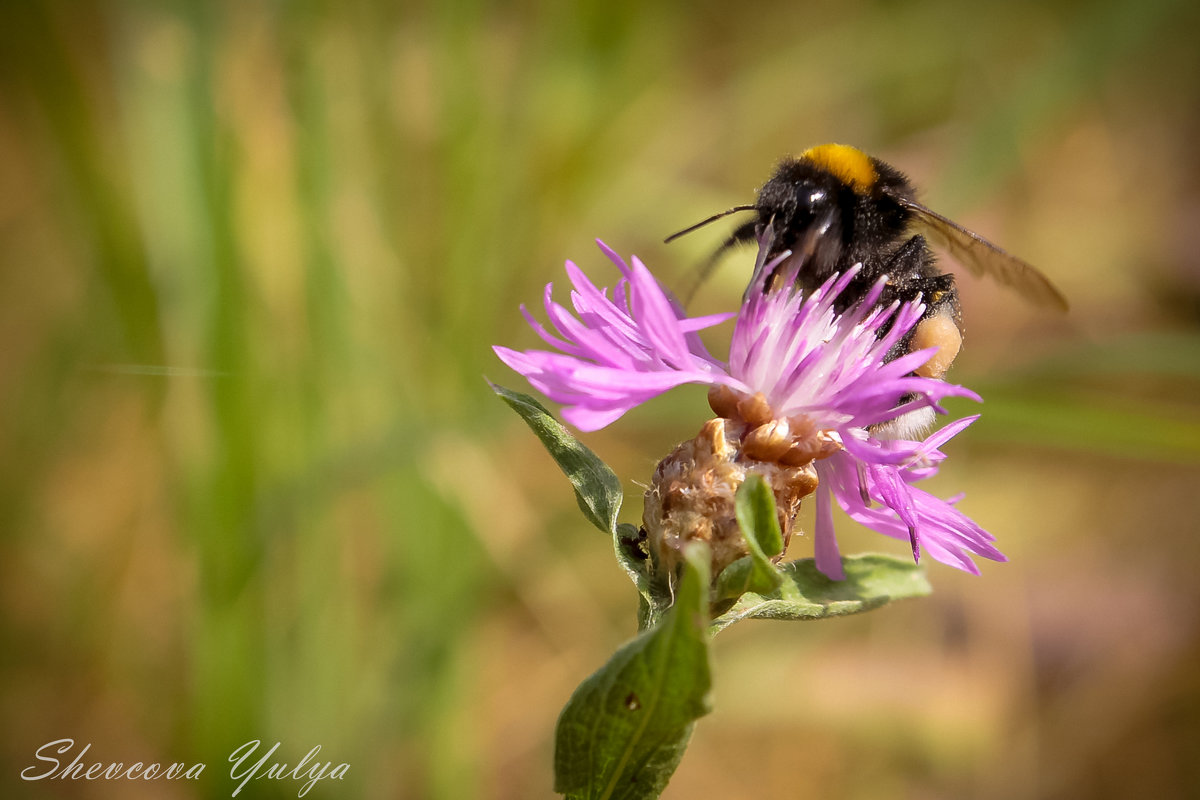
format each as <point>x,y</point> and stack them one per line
<point>812,196</point>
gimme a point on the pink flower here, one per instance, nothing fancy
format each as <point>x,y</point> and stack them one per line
<point>620,351</point>
<point>813,366</point>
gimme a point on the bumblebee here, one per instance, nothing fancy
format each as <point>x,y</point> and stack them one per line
<point>834,206</point>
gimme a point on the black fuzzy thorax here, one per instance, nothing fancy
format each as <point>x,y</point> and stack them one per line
<point>859,225</point>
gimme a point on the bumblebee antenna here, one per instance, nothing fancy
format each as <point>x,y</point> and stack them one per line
<point>704,222</point>
<point>744,233</point>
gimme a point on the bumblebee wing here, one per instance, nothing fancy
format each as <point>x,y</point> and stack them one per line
<point>982,257</point>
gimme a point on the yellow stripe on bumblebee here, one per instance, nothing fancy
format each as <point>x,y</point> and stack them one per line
<point>848,164</point>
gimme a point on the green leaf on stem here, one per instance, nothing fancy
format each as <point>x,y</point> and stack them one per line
<point>597,488</point>
<point>624,730</point>
<point>872,580</point>
<point>755,510</point>
<point>629,542</point>
<point>754,507</point>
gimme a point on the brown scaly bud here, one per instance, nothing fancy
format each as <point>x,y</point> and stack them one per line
<point>723,401</point>
<point>769,441</point>
<point>691,497</point>
<point>754,409</point>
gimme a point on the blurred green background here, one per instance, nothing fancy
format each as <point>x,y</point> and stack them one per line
<point>254,486</point>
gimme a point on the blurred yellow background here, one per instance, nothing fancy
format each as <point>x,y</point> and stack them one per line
<point>254,485</point>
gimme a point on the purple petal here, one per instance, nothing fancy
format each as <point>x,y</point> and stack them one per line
<point>611,355</point>
<point>825,547</point>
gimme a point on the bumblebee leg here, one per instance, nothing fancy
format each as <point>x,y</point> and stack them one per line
<point>743,233</point>
<point>937,331</point>
<point>912,274</point>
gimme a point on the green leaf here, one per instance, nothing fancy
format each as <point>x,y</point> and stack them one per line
<point>755,510</point>
<point>754,507</point>
<point>628,542</point>
<point>624,730</point>
<point>871,581</point>
<point>597,488</point>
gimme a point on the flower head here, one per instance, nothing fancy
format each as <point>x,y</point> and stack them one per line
<point>805,385</point>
